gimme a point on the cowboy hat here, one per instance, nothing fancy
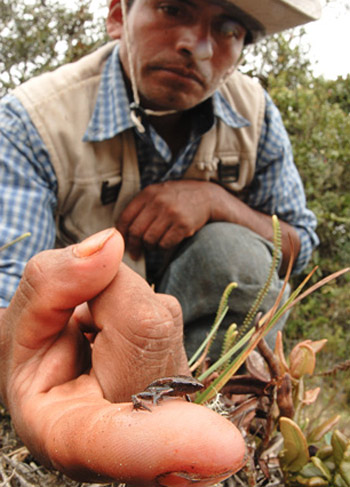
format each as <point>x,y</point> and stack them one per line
<point>265,17</point>
<point>278,15</point>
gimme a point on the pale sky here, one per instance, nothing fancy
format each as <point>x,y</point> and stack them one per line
<point>329,38</point>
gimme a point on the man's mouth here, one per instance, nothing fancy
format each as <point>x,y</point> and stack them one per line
<point>182,72</point>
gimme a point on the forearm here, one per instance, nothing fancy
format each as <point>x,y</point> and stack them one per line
<point>227,207</point>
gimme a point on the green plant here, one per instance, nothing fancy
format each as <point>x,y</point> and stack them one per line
<point>40,35</point>
<point>275,389</point>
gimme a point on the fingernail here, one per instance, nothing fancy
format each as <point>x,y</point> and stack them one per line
<point>184,479</point>
<point>93,244</point>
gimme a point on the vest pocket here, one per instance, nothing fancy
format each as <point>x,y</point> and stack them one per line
<point>110,191</point>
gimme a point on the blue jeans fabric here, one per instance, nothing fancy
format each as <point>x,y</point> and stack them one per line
<point>205,264</point>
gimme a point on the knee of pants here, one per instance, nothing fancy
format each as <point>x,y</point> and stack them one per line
<point>206,263</point>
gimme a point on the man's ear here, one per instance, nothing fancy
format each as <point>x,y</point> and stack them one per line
<point>115,20</point>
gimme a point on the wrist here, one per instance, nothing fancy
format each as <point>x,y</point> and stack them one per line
<point>222,204</point>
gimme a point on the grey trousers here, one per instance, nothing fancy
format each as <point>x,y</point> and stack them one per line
<point>202,268</point>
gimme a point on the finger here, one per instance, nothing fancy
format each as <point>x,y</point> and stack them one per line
<point>177,443</point>
<point>150,238</point>
<point>137,228</point>
<point>83,319</point>
<point>173,236</point>
<point>134,245</point>
<point>141,336</point>
<point>134,217</point>
<point>56,281</point>
<point>157,229</point>
<point>129,214</point>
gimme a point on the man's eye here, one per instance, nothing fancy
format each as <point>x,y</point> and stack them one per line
<point>171,10</point>
<point>231,28</point>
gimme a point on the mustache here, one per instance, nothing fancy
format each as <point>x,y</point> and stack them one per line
<point>192,71</point>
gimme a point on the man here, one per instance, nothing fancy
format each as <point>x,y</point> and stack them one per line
<point>156,136</point>
<point>200,182</point>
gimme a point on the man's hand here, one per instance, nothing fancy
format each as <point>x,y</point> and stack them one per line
<point>165,214</point>
<point>59,387</point>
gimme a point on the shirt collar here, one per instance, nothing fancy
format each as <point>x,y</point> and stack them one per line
<point>111,114</point>
<point>224,111</point>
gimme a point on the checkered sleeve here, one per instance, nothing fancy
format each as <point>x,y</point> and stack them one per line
<point>277,188</point>
<point>27,194</point>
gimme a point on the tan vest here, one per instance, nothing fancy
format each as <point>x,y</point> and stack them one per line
<point>61,104</point>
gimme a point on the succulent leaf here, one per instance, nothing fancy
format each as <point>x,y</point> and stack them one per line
<point>322,468</point>
<point>339,481</point>
<point>256,366</point>
<point>318,344</point>
<point>295,453</point>
<point>310,470</point>
<point>312,482</point>
<point>302,360</point>
<point>320,431</point>
<point>339,443</point>
<point>325,452</point>
<point>344,467</point>
<point>311,396</point>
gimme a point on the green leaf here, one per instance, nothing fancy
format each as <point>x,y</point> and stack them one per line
<point>339,444</point>
<point>339,481</point>
<point>322,468</point>
<point>309,471</point>
<point>312,482</point>
<point>325,452</point>
<point>344,467</point>
<point>295,453</point>
<point>320,431</point>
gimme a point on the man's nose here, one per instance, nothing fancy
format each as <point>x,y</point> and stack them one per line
<point>196,41</point>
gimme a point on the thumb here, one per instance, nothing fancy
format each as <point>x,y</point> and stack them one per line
<point>178,444</point>
<point>56,281</point>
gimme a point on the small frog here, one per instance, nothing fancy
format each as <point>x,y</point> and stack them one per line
<point>179,385</point>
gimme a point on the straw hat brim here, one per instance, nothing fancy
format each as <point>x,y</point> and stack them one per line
<point>265,17</point>
<point>278,15</point>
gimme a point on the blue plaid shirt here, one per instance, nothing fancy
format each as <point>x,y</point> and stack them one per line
<point>28,185</point>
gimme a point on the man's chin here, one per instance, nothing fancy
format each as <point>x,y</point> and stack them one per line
<point>178,104</point>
